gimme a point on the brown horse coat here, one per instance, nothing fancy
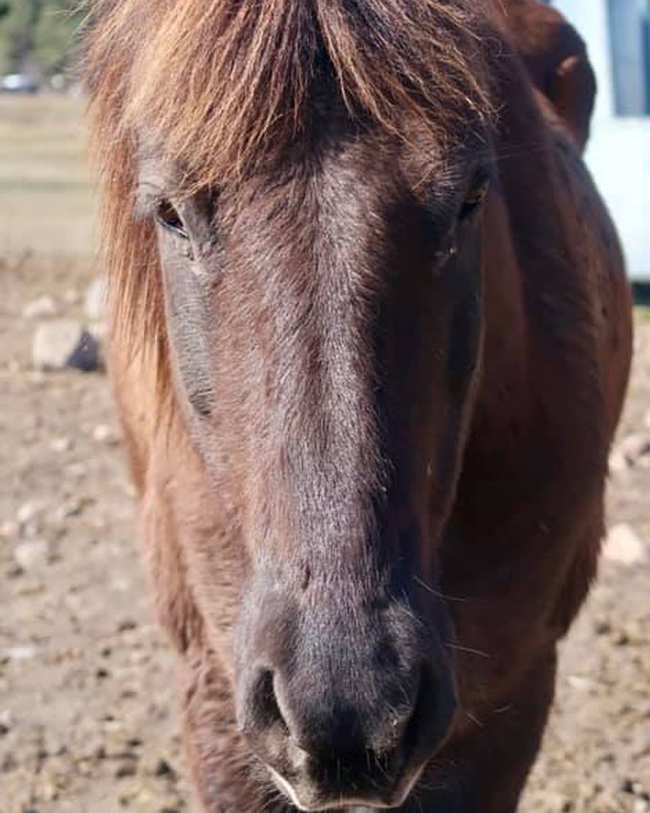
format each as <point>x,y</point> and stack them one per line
<point>522,534</point>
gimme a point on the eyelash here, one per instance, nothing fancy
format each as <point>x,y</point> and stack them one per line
<point>169,219</point>
<point>150,203</point>
<point>475,198</point>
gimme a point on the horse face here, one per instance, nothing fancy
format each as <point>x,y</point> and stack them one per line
<point>325,328</point>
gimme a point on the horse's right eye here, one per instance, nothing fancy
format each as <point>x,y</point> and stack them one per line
<point>474,199</point>
<point>168,218</point>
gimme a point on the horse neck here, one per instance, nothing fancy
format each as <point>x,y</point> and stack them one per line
<point>539,284</point>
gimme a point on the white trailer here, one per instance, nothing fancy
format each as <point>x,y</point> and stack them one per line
<point>617,33</point>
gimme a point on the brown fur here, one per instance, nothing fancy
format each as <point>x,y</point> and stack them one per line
<point>232,90</point>
<point>248,72</point>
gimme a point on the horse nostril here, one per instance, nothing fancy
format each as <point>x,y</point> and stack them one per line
<point>261,706</point>
<point>321,744</point>
<point>431,717</point>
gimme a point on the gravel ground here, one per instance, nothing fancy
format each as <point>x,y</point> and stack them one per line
<point>88,720</point>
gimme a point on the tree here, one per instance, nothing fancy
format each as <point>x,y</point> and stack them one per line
<point>37,34</point>
<point>55,36</point>
<point>18,28</point>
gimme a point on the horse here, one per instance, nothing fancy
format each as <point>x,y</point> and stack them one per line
<point>370,339</point>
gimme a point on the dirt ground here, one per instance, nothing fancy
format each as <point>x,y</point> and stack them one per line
<point>88,719</point>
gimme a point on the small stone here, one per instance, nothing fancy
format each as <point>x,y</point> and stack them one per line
<point>126,625</point>
<point>9,530</point>
<point>20,653</point>
<point>582,684</point>
<point>162,768</point>
<point>634,447</point>
<point>73,507</point>
<point>42,308</point>
<point>32,588</point>
<point>126,769</point>
<point>60,445</point>
<point>6,721</point>
<point>32,555</point>
<point>96,336</point>
<point>30,511</point>
<point>624,546</point>
<point>621,638</point>
<point>617,462</point>
<point>95,300</point>
<point>65,343</point>
<point>103,433</point>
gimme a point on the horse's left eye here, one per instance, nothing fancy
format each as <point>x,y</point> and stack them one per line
<point>474,199</point>
<point>168,218</point>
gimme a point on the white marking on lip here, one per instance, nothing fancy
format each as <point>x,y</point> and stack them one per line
<point>285,787</point>
<point>355,805</point>
<point>408,787</point>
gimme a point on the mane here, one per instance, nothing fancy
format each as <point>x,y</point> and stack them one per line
<point>223,86</point>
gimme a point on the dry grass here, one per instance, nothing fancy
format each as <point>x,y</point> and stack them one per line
<point>47,206</point>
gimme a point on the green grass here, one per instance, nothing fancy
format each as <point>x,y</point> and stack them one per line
<point>47,204</point>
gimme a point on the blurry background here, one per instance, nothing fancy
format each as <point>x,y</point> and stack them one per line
<point>47,207</point>
<point>88,719</point>
<point>617,33</point>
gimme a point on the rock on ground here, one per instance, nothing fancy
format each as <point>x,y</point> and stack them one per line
<point>40,308</point>
<point>66,343</point>
<point>32,555</point>
<point>95,301</point>
<point>624,546</point>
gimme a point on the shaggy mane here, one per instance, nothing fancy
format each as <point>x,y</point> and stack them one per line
<point>224,85</point>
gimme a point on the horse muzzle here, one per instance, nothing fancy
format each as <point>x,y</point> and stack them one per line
<point>344,714</point>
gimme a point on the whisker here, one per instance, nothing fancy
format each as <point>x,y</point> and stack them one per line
<point>380,766</point>
<point>467,649</point>
<point>473,718</point>
<point>437,593</point>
